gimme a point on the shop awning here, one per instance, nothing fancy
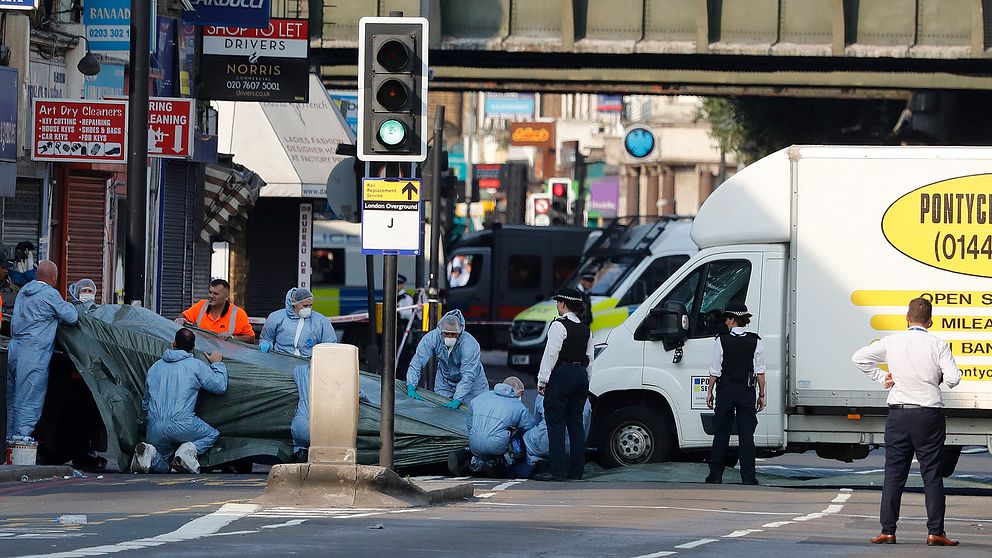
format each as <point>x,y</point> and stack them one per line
<point>290,145</point>
<point>229,191</point>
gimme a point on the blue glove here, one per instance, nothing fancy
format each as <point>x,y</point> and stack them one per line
<point>411,392</point>
<point>455,403</point>
<point>264,346</point>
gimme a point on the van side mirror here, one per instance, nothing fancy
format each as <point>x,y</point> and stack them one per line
<point>673,327</point>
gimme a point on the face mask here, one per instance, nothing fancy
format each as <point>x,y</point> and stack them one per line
<point>87,298</point>
<point>449,342</point>
<point>305,312</point>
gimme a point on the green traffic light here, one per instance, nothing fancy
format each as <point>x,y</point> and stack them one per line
<point>392,132</point>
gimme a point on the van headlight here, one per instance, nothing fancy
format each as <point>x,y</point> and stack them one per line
<point>598,349</point>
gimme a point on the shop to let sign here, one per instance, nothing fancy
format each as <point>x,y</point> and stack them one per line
<point>79,131</point>
<point>391,216</point>
<point>242,64</point>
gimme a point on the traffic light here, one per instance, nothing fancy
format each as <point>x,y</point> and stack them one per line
<point>392,97</point>
<point>559,189</point>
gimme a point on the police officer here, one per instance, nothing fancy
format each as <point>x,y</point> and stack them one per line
<point>563,380</point>
<point>738,365</point>
<point>586,281</point>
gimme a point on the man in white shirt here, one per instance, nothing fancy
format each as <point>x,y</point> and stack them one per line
<point>918,362</point>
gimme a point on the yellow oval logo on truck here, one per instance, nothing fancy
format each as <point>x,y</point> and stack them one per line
<point>947,225</point>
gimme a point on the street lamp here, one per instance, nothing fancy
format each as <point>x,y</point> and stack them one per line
<point>88,65</point>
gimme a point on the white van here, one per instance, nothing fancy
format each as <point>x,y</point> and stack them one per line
<point>826,246</point>
<point>630,261</point>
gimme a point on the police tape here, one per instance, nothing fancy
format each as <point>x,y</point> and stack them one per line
<point>350,318</point>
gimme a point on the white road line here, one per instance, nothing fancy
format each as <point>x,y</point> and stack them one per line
<point>505,485</point>
<point>290,523</point>
<point>775,524</point>
<point>196,529</point>
<point>486,495</point>
<point>349,516</point>
<point>694,544</point>
<point>742,533</point>
<point>869,471</point>
<point>604,506</point>
<point>656,554</point>
<point>841,498</point>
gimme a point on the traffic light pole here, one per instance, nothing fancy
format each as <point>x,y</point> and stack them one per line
<point>580,177</point>
<point>137,154</point>
<point>433,289</point>
<point>388,395</point>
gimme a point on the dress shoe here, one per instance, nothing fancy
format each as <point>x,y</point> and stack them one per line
<point>714,480</point>
<point>548,477</point>
<point>884,539</point>
<point>940,540</point>
<point>750,482</point>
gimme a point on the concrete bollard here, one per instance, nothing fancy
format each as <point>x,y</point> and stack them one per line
<point>332,477</point>
<point>334,383</point>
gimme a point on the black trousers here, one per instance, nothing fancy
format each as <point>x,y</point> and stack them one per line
<point>907,431</point>
<point>734,400</point>
<point>564,398</point>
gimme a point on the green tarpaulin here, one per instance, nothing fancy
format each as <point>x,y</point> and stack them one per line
<point>113,346</point>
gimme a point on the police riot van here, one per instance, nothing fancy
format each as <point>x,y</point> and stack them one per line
<point>826,246</point>
<point>630,261</point>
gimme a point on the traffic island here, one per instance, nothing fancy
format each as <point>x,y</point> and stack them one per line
<point>354,486</point>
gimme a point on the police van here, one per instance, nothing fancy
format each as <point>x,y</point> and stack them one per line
<point>629,259</point>
<point>825,246</point>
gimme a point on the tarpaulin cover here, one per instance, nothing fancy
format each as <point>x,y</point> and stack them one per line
<point>113,346</point>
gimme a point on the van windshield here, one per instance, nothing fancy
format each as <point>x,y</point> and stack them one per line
<point>610,272</point>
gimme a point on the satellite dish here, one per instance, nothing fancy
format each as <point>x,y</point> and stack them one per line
<point>342,191</point>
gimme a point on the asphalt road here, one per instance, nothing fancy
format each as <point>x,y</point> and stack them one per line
<point>212,515</point>
<point>173,515</point>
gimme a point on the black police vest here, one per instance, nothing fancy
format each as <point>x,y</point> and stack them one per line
<point>573,349</point>
<point>738,356</point>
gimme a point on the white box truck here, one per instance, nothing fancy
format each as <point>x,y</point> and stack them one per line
<point>826,246</point>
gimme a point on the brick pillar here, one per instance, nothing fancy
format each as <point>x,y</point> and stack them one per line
<point>668,192</point>
<point>651,187</point>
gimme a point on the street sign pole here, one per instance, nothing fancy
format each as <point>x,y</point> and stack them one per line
<point>137,148</point>
<point>388,396</point>
<point>433,290</point>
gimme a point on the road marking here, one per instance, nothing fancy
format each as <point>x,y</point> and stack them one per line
<point>841,498</point>
<point>486,495</point>
<point>505,485</point>
<point>869,471</point>
<point>290,523</point>
<point>741,533</point>
<point>605,506</point>
<point>775,524</point>
<point>694,544</point>
<point>656,554</point>
<point>195,529</point>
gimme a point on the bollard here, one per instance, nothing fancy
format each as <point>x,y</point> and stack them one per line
<point>334,387</point>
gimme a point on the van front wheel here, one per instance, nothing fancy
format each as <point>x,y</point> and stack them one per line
<point>634,435</point>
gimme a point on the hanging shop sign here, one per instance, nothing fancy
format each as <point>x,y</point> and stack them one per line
<point>243,64</point>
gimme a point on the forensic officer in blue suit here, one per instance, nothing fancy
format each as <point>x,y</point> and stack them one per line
<point>171,389</point>
<point>296,329</point>
<point>460,375</point>
<point>38,310</point>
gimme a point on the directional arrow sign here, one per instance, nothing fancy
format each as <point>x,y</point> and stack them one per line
<point>391,216</point>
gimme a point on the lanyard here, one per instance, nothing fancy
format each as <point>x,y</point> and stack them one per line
<point>917,328</point>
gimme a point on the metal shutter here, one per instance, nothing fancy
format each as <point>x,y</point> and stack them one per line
<point>86,203</point>
<point>273,253</point>
<point>20,216</point>
<point>177,211</point>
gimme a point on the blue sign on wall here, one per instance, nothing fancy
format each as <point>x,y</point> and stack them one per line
<point>8,114</point>
<point>108,83</point>
<point>347,103</point>
<point>509,105</point>
<point>639,141</point>
<point>18,4</point>
<point>108,26</point>
<point>229,13</point>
